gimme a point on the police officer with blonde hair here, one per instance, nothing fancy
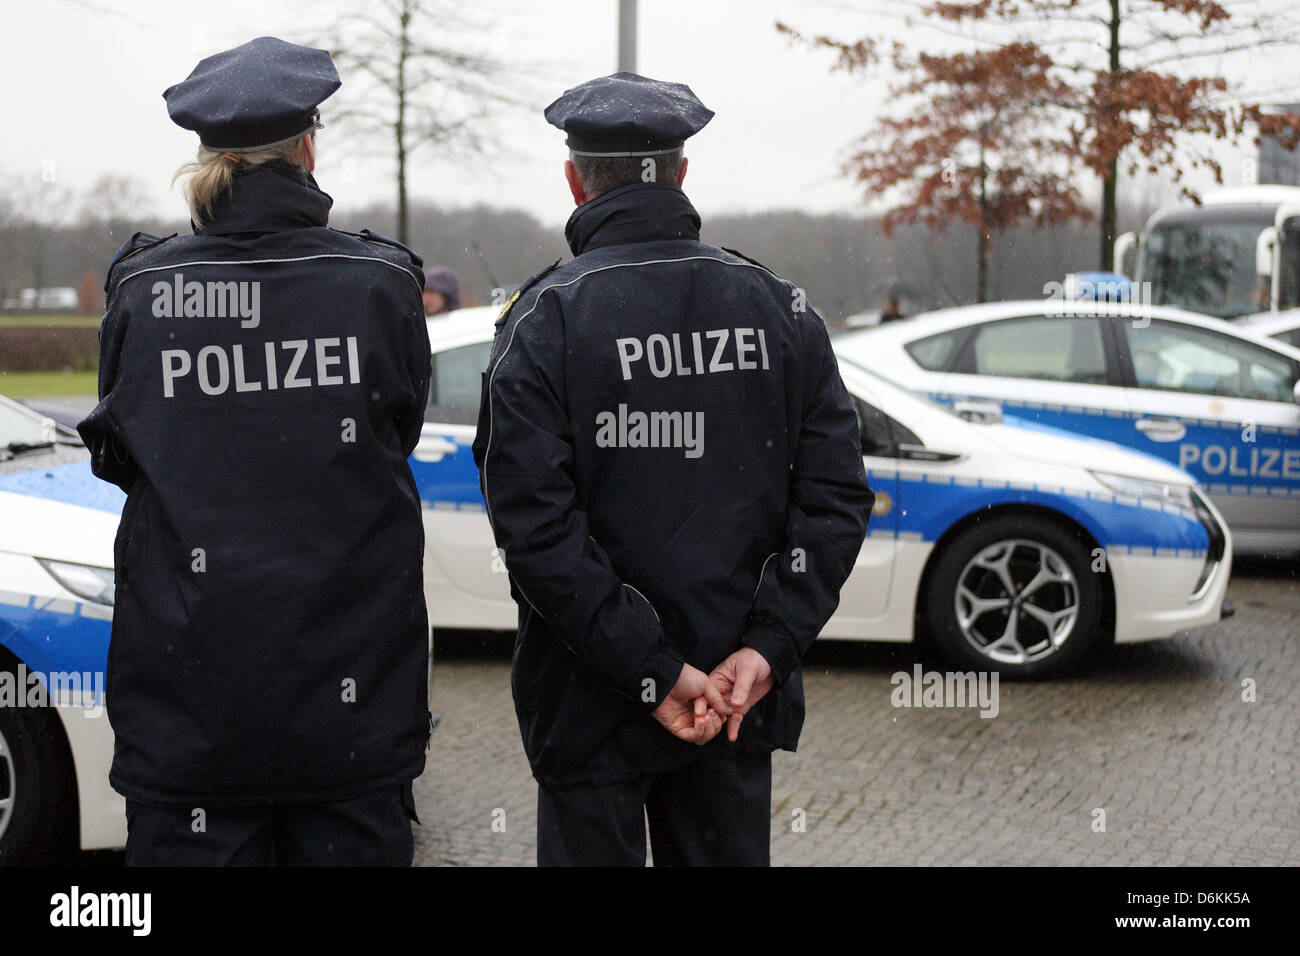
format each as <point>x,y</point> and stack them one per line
<point>261,385</point>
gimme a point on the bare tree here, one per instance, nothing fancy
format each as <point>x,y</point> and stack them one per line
<point>9,238</point>
<point>117,204</point>
<point>411,79</point>
<point>42,206</point>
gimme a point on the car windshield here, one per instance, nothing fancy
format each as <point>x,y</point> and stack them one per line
<point>888,392</point>
<point>19,427</point>
<point>1208,266</point>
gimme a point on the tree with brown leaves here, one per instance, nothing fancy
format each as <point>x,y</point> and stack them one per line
<point>1111,85</point>
<point>981,152</point>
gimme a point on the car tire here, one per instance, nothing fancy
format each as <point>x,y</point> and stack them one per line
<point>1015,594</point>
<point>38,800</point>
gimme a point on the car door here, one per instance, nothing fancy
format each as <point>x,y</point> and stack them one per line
<point>1224,409</point>
<point>866,593</point>
<point>1054,370</point>
<point>459,550</point>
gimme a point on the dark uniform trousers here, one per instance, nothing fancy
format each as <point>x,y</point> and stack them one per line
<point>715,811</point>
<point>374,830</point>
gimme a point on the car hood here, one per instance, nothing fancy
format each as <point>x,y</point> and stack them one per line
<point>62,513</point>
<point>57,531</point>
<point>1042,443</point>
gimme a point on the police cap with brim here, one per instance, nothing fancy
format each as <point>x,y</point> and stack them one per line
<point>628,115</point>
<point>258,95</point>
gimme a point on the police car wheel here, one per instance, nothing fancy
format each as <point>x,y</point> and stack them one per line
<point>38,799</point>
<point>1015,594</point>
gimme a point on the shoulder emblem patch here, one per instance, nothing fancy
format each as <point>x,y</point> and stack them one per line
<point>532,281</point>
<point>509,302</point>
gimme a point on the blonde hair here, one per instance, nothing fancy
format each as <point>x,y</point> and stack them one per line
<point>211,174</point>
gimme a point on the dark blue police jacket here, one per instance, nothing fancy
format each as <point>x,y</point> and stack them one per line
<point>261,384</point>
<point>671,466</point>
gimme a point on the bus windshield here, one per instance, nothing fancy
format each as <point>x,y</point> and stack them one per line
<point>1206,266</point>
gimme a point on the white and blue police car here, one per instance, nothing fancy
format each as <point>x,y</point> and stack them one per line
<point>1283,326</point>
<point>1207,396</point>
<point>57,524</point>
<point>1017,548</point>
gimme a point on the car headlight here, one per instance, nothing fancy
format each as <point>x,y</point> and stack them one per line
<point>1146,488</point>
<point>84,580</point>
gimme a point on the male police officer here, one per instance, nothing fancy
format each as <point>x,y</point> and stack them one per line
<point>262,383</point>
<point>671,467</point>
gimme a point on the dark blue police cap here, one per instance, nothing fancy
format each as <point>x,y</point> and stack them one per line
<point>628,115</point>
<point>257,95</point>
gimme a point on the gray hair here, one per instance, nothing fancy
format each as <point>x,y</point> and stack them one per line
<point>600,174</point>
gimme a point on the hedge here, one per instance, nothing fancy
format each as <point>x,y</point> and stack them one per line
<point>48,349</point>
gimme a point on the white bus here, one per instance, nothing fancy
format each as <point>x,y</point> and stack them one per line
<point>1236,254</point>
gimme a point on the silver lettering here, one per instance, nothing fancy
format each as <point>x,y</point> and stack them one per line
<point>290,377</point>
<point>742,347</point>
<point>354,366</point>
<point>677,354</point>
<point>629,351</point>
<point>223,369</point>
<point>715,365</point>
<point>655,343</point>
<point>171,371</point>
<point>271,384</point>
<point>241,383</point>
<point>323,362</point>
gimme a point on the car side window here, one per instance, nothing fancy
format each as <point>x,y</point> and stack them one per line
<point>456,386</point>
<point>880,434</point>
<point>1056,348</point>
<point>934,352</point>
<point>1291,338</point>
<point>1184,358</point>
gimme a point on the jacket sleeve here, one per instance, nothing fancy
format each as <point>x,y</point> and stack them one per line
<point>525,458</point>
<point>109,459</point>
<point>419,371</point>
<point>826,518</point>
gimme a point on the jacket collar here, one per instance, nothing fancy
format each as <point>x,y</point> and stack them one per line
<point>641,212</point>
<point>270,197</point>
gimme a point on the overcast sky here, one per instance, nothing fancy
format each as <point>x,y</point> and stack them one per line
<point>83,79</point>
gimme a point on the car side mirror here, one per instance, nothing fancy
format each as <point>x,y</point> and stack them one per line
<point>1295,392</point>
<point>1265,244</point>
<point>1124,244</point>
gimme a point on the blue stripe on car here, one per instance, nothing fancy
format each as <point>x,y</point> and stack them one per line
<point>928,505</point>
<point>55,636</point>
<point>450,484</point>
<point>1206,437</point>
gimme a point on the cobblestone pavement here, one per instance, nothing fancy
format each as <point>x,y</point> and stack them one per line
<point>1156,735</point>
